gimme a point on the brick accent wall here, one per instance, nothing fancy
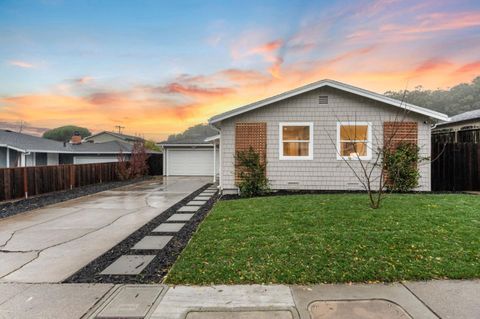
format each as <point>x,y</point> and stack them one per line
<point>250,135</point>
<point>398,132</point>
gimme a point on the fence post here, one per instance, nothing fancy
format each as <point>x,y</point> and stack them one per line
<point>25,182</point>
<point>72,176</point>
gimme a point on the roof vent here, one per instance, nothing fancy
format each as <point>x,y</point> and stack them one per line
<point>323,99</point>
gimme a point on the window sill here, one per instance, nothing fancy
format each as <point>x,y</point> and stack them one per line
<point>295,158</point>
<point>354,158</point>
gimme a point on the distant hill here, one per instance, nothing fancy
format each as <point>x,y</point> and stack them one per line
<point>458,99</point>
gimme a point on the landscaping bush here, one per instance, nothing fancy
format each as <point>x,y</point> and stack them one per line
<point>401,166</point>
<point>253,174</point>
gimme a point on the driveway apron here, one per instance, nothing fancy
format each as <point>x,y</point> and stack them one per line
<point>52,243</point>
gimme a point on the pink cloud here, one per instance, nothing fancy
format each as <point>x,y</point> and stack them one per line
<point>21,64</point>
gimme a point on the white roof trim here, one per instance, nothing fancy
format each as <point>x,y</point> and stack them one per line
<point>212,138</point>
<point>13,148</point>
<point>187,145</point>
<point>334,84</point>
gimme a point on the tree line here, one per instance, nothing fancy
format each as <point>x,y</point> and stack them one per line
<point>461,98</point>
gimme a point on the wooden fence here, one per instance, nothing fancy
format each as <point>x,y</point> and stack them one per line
<point>456,167</point>
<point>20,182</point>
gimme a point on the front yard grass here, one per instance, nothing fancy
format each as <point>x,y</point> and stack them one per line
<point>305,239</point>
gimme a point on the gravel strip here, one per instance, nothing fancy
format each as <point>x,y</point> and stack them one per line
<point>22,205</point>
<point>164,259</point>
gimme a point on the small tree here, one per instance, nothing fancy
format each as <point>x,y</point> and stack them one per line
<point>138,160</point>
<point>136,165</point>
<point>373,173</point>
<point>123,168</point>
<point>253,175</point>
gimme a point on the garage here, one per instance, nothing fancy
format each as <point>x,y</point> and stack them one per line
<point>190,162</point>
<point>190,158</point>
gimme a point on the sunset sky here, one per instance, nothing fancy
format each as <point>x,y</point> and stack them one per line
<point>158,67</point>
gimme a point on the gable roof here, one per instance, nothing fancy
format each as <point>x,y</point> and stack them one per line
<point>334,84</point>
<point>467,116</point>
<point>119,135</point>
<point>29,143</point>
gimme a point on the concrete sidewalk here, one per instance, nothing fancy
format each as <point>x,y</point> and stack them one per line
<point>432,299</point>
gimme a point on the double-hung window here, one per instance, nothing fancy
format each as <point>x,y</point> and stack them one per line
<point>296,141</point>
<point>354,140</point>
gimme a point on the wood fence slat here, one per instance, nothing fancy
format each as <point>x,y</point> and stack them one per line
<point>456,166</point>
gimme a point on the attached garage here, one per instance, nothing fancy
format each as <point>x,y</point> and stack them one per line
<point>190,159</point>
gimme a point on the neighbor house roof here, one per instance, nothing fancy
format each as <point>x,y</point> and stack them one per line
<point>462,117</point>
<point>29,143</point>
<point>189,141</point>
<point>26,143</point>
<point>112,147</point>
<point>119,135</point>
<point>336,85</point>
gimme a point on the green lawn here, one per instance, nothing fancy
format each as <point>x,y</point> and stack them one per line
<point>334,238</point>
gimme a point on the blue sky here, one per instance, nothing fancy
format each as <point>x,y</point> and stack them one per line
<point>158,67</point>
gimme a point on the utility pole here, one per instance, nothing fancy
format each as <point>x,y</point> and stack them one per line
<point>119,128</point>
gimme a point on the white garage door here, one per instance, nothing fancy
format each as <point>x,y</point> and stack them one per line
<point>190,162</point>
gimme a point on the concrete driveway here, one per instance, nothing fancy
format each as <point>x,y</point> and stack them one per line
<point>52,243</point>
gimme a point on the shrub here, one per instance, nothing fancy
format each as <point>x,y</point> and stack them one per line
<point>253,176</point>
<point>401,165</point>
<point>135,165</point>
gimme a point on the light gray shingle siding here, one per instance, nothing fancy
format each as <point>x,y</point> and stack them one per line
<point>324,172</point>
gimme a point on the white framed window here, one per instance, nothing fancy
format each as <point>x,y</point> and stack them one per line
<point>354,140</point>
<point>296,141</point>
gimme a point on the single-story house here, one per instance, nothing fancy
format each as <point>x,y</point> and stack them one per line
<point>19,150</point>
<point>304,135</point>
<point>107,136</point>
<point>464,127</point>
<point>193,156</point>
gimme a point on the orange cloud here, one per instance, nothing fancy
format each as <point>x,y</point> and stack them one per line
<point>267,48</point>
<point>21,64</point>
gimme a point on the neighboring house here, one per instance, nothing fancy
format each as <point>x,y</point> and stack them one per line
<point>107,136</point>
<point>464,127</point>
<point>18,150</point>
<point>303,135</point>
<point>194,156</point>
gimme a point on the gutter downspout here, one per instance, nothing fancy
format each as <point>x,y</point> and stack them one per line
<point>219,158</point>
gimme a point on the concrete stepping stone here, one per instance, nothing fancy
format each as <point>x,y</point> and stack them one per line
<point>152,242</point>
<point>168,228</point>
<point>208,192</point>
<point>196,202</point>
<point>188,209</point>
<point>204,197</point>
<point>131,302</point>
<point>128,265</point>
<point>234,314</point>
<point>180,217</point>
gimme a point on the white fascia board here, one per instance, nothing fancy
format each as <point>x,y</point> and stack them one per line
<point>187,145</point>
<point>212,138</point>
<point>13,148</point>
